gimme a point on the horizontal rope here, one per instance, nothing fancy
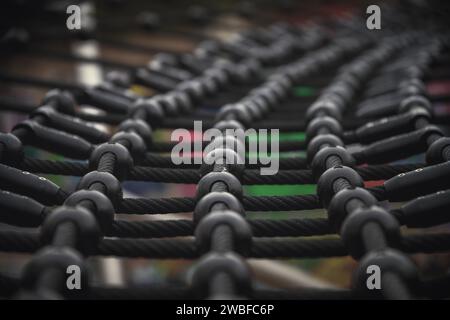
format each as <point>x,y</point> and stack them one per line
<point>178,228</point>
<point>191,176</point>
<point>251,203</point>
<point>289,145</point>
<point>28,242</point>
<point>157,161</point>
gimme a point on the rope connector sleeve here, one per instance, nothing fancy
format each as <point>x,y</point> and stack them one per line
<point>408,185</point>
<point>56,141</point>
<point>28,184</point>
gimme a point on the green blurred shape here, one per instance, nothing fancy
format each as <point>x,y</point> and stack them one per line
<point>303,91</point>
<point>285,136</point>
<point>280,190</point>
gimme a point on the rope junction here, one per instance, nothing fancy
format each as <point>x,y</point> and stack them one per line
<point>372,110</point>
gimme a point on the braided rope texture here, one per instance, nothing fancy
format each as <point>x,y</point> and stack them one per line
<point>350,153</point>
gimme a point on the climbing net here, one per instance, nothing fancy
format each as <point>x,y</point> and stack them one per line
<point>372,110</point>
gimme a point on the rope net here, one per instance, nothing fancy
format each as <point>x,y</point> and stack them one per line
<point>369,114</point>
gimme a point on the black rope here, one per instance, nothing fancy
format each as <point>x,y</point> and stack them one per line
<point>179,228</point>
<point>156,206</point>
<point>27,242</point>
<point>251,203</point>
<point>259,203</point>
<point>191,176</point>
